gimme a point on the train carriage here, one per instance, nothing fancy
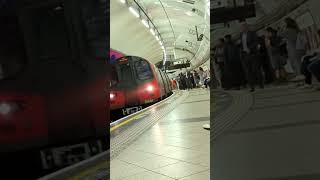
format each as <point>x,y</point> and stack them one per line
<point>53,74</point>
<point>137,83</point>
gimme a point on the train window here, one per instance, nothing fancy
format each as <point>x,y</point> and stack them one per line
<point>124,73</point>
<point>143,70</point>
<point>114,78</point>
<point>94,16</point>
<point>12,48</point>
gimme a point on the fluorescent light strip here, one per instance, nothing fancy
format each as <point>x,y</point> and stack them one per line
<point>123,1</point>
<point>165,57</point>
<point>152,32</point>
<point>134,12</point>
<point>145,23</point>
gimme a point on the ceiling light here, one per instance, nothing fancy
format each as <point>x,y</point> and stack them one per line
<point>145,23</point>
<point>160,43</point>
<point>165,57</point>
<point>162,47</point>
<point>152,32</point>
<point>123,1</point>
<point>157,38</point>
<point>189,13</point>
<point>134,12</point>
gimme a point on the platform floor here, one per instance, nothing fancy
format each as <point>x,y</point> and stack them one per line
<point>176,147</point>
<point>276,137</point>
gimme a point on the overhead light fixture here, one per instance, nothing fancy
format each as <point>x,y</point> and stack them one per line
<point>162,47</point>
<point>165,57</point>
<point>123,1</point>
<point>160,43</point>
<point>145,23</point>
<point>134,12</point>
<point>152,32</point>
<point>157,38</point>
<point>189,13</point>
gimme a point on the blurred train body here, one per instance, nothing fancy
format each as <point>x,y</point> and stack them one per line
<point>53,109</point>
<point>136,83</point>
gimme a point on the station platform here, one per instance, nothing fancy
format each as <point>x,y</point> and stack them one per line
<point>165,142</point>
<point>272,134</point>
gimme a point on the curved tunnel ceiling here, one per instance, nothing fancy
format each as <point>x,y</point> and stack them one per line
<point>129,36</point>
<point>175,21</point>
<point>267,11</point>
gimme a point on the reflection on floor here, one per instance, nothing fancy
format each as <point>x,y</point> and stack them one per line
<point>175,148</point>
<point>277,137</point>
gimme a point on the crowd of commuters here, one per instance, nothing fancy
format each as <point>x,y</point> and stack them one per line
<point>193,79</point>
<point>255,60</point>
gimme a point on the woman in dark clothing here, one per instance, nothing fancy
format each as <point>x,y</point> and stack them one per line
<point>219,57</point>
<point>273,42</point>
<point>191,80</point>
<point>265,60</point>
<point>182,82</point>
<point>232,63</point>
<point>196,78</point>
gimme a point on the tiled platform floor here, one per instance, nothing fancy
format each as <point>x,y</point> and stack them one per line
<point>175,148</point>
<point>277,139</point>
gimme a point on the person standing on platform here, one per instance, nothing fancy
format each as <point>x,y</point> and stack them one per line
<point>273,43</point>
<point>250,57</point>
<point>232,59</point>
<point>201,75</point>
<point>296,46</point>
<point>197,78</point>
<point>219,56</point>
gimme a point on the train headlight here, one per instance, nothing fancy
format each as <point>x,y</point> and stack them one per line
<point>150,88</point>
<point>7,108</point>
<point>112,96</point>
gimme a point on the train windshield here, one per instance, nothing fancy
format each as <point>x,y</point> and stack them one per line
<point>12,48</point>
<point>143,70</point>
<point>124,75</point>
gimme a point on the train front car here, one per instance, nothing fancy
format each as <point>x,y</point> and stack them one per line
<point>135,85</point>
<point>52,99</point>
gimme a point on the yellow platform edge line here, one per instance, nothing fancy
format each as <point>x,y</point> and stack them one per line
<point>105,164</point>
<point>136,116</point>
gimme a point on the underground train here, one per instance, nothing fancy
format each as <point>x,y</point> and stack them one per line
<point>52,84</point>
<point>136,83</point>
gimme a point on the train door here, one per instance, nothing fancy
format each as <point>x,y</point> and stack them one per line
<point>58,71</point>
<point>166,85</point>
<point>169,83</point>
<point>128,85</point>
<point>161,83</point>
